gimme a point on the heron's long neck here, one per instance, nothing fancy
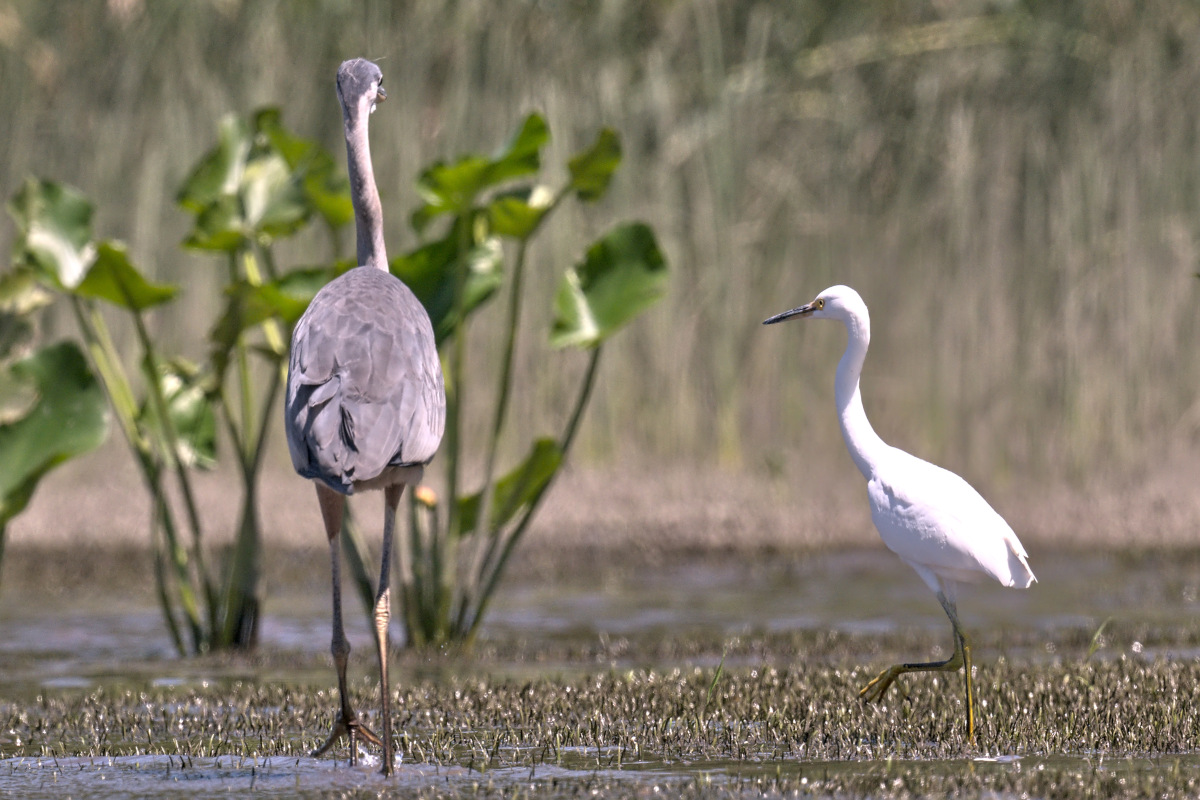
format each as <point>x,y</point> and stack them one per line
<point>864,444</point>
<point>368,213</point>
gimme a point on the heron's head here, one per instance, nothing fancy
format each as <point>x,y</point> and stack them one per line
<point>360,81</point>
<point>836,302</point>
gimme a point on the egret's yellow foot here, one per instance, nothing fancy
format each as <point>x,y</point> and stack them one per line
<point>877,688</point>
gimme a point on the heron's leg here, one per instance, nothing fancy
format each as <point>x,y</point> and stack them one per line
<point>346,724</point>
<point>383,613</point>
<point>962,657</point>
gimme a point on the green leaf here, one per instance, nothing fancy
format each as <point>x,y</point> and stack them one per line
<point>325,184</point>
<point>218,227</point>
<point>273,197</point>
<point>191,411</point>
<point>252,185</point>
<point>20,292</point>
<point>592,169</point>
<point>621,275</point>
<point>55,231</point>
<point>430,272</point>
<point>518,213</point>
<point>522,154</point>
<point>20,296</point>
<point>113,278</point>
<point>219,171</point>
<point>248,305</point>
<point>68,418</point>
<point>516,489</point>
<point>452,188</point>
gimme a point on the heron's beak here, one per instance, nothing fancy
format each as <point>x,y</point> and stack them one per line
<point>380,96</point>
<point>802,311</point>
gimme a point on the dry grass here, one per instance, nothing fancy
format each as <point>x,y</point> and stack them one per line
<point>1015,196</point>
<point>644,511</point>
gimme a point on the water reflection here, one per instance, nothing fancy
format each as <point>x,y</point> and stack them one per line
<point>861,592</point>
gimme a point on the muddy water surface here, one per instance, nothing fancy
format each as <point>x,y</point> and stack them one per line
<point>54,647</point>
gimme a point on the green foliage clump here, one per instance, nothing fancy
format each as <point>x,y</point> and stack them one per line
<point>258,185</point>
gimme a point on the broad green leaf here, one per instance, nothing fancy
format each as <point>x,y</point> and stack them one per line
<point>218,226</point>
<point>247,188</point>
<point>191,411</point>
<point>449,188</point>
<point>248,305</point>
<point>325,184</point>
<point>20,296</point>
<point>304,283</point>
<point>621,275</point>
<point>16,334</point>
<point>55,224</point>
<point>522,154</point>
<point>452,188</point>
<point>20,292</point>
<point>219,171</point>
<point>273,197</point>
<point>515,490</point>
<point>68,418</point>
<point>113,278</point>
<point>518,213</point>
<point>592,169</point>
<point>430,272</point>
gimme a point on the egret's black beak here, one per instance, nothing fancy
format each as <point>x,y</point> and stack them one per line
<point>802,311</point>
<point>380,94</point>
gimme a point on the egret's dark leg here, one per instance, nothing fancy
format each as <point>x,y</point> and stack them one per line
<point>961,658</point>
<point>346,724</point>
<point>383,613</point>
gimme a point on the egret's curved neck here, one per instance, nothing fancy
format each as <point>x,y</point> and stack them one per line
<point>368,212</point>
<point>865,446</point>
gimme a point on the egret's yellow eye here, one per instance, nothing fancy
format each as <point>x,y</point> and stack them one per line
<point>820,303</point>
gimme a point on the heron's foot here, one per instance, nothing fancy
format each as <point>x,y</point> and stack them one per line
<point>877,688</point>
<point>352,729</point>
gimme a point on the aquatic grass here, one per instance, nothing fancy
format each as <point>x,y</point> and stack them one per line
<point>809,712</point>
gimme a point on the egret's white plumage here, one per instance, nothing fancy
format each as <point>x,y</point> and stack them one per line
<point>930,517</point>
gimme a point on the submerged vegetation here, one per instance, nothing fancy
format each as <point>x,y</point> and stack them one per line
<point>1119,725</point>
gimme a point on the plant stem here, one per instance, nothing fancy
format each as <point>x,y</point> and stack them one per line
<point>120,394</point>
<point>152,370</point>
<point>495,571</point>
<point>484,551</point>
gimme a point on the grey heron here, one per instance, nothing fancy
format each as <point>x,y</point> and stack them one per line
<point>366,400</point>
<point>930,517</point>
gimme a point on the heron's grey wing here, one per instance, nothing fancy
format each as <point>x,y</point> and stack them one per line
<point>365,387</point>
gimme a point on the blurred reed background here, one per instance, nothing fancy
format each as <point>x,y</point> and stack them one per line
<point>1013,188</point>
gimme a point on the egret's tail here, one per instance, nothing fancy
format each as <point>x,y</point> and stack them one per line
<point>1020,575</point>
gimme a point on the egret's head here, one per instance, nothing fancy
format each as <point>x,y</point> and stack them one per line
<point>836,302</point>
<point>360,81</point>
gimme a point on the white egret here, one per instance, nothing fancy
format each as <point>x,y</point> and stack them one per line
<point>927,515</point>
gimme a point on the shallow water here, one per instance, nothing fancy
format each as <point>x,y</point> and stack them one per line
<point>50,647</point>
<point>164,776</point>
<point>861,592</point>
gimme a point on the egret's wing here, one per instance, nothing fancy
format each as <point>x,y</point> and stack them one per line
<point>930,516</point>
<point>365,387</point>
